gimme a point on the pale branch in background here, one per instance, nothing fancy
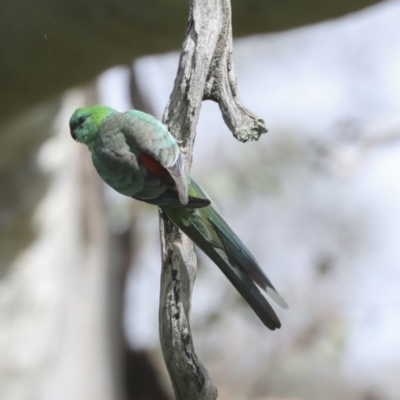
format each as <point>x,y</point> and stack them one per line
<point>205,71</point>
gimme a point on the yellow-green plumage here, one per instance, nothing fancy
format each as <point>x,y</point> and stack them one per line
<point>136,155</point>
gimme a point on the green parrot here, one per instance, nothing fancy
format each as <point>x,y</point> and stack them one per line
<point>136,155</point>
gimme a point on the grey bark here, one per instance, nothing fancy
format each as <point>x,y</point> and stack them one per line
<point>205,72</point>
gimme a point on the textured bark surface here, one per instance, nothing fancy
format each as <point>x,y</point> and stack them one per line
<point>205,72</point>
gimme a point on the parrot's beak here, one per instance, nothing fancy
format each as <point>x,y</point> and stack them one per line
<point>73,135</point>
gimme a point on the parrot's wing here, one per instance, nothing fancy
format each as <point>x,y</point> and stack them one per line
<point>177,171</point>
<point>148,135</point>
<point>170,199</point>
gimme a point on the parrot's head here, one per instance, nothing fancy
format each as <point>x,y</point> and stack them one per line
<point>85,123</point>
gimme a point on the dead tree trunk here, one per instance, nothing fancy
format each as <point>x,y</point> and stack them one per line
<point>205,72</point>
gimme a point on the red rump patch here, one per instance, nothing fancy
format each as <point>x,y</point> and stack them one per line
<point>153,166</point>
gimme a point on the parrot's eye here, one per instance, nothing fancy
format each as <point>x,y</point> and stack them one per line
<point>81,120</point>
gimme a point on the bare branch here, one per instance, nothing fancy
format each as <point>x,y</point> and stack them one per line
<point>205,72</point>
<point>221,86</point>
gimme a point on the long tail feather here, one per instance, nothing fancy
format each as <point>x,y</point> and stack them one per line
<point>240,256</point>
<point>212,234</point>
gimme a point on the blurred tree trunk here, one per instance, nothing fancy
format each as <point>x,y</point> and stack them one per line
<point>134,371</point>
<point>55,340</point>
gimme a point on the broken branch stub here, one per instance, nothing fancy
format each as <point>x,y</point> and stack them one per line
<point>221,86</point>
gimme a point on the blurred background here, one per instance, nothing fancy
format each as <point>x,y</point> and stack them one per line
<point>316,199</point>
